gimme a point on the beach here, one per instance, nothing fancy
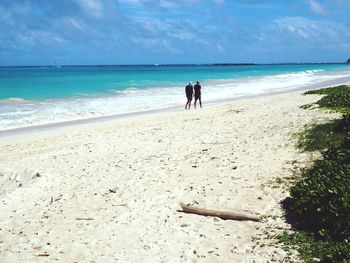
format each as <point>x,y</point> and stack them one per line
<point>110,191</point>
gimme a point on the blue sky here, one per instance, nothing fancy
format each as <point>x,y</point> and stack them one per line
<point>39,32</point>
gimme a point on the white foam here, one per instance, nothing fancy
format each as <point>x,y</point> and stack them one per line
<point>19,113</point>
<point>126,91</point>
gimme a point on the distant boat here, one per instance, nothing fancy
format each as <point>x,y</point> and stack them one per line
<point>348,61</point>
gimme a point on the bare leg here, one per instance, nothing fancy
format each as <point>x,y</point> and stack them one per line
<point>200,102</point>
<point>195,101</point>
<point>188,104</point>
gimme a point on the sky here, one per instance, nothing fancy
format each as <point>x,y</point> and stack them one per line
<point>91,32</point>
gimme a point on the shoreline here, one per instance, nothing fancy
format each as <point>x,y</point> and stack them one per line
<point>115,117</point>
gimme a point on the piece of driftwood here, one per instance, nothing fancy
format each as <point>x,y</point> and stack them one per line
<point>84,218</point>
<point>43,255</point>
<point>221,214</point>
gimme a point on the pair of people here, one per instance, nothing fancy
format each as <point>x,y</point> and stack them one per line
<point>189,94</point>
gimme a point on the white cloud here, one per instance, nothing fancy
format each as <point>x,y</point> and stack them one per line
<point>182,35</point>
<point>312,30</point>
<point>298,26</point>
<point>130,2</point>
<point>167,4</point>
<point>151,43</point>
<point>164,4</point>
<point>93,8</point>
<point>169,47</point>
<point>78,25</point>
<point>220,48</point>
<point>36,38</point>
<point>166,28</point>
<point>144,42</point>
<point>316,7</point>
<point>153,25</point>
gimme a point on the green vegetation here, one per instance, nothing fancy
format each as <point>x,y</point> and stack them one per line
<point>322,197</point>
<point>317,137</point>
<point>310,248</point>
<point>337,98</point>
<point>320,201</point>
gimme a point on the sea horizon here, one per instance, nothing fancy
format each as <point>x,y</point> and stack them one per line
<point>174,64</point>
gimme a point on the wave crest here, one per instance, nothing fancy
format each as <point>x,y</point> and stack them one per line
<point>126,91</point>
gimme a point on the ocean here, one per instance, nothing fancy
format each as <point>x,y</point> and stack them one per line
<point>31,96</point>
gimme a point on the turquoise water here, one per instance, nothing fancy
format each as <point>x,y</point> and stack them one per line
<point>38,83</point>
<point>31,96</point>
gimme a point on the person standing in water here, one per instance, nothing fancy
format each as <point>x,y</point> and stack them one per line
<point>197,94</point>
<point>189,95</point>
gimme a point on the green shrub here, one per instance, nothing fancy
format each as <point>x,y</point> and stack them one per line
<point>313,250</point>
<point>327,91</point>
<point>343,126</point>
<point>338,98</point>
<point>323,136</point>
<point>321,199</point>
<point>338,252</point>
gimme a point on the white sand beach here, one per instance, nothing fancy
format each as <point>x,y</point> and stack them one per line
<point>110,191</point>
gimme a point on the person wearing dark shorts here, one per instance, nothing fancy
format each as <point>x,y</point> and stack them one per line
<point>189,95</point>
<point>197,94</point>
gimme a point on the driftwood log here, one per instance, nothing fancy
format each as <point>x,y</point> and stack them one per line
<point>221,214</point>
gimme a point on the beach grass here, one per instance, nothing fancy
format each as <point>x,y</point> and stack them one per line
<point>319,206</point>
